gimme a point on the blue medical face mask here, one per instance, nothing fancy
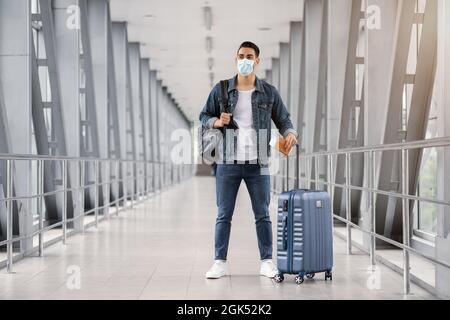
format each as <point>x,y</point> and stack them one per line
<point>245,67</point>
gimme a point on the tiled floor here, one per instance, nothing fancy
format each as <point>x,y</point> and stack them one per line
<point>420,268</point>
<point>162,248</point>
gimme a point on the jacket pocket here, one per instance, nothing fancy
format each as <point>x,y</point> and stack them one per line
<point>264,114</point>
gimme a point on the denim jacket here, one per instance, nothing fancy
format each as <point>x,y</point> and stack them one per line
<point>267,105</point>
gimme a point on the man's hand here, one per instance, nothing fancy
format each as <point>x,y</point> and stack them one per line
<point>225,119</point>
<point>290,141</point>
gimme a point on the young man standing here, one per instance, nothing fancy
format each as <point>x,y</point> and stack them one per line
<point>253,104</point>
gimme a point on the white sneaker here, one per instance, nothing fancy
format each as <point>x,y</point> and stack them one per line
<point>218,270</point>
<point>268,269</point>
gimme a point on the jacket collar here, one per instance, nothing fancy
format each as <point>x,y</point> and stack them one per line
<point>233,82</point>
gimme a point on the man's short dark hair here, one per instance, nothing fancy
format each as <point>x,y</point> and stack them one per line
<point>248,44</point>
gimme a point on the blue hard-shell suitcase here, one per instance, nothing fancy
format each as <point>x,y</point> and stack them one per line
<point>304,234</point>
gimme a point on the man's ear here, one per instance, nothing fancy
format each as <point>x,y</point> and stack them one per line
<point>257,61</point>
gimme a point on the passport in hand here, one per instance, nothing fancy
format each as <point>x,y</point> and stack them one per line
<point>280,146</point>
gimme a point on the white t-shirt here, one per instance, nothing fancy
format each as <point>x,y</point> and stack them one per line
<point>246,148</point>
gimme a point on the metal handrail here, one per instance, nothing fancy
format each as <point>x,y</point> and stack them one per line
<point>419,144</point>
<point>130,196</point>
<point>18,157</point>
<point>380,192</point>
<point>372,191</point>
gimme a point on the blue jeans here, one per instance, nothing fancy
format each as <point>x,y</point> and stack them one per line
<point>228,180</point>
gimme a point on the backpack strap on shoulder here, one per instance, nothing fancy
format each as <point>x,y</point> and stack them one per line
<point>224,95</point>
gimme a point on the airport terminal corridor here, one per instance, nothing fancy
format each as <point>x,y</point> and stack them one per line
<point>116,117</point>
<point>162,248</point>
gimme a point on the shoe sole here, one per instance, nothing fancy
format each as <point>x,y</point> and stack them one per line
<point>216,277</point>
<point>268,276</point>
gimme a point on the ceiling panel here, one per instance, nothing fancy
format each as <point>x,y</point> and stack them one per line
<point>173,34</point>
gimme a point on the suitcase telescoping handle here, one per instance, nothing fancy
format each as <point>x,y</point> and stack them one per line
<point>297,169</point>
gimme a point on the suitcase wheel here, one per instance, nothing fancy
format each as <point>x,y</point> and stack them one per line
<point>279,278</point>
<point>310,275</point>
<point>299,279</point>
<point>328,275</point>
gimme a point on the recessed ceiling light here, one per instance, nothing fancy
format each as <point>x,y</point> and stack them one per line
<point>210,63</point>
<point>209,44</point>
<point>207,15</point>
<point>264,29</point>
<point>149,16</point>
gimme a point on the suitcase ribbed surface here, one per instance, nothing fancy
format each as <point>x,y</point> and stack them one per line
<point>304,239</point>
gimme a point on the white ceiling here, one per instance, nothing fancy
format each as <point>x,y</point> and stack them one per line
<point>174,39</point>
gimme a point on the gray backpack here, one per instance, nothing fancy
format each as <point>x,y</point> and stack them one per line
<point>212,138</point>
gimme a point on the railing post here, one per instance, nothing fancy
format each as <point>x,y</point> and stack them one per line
<point>152,165</point>
<point>405,212</point>
<point>133,167</point>
<point>40,205</point>
<point>163,176</point>
<point>330,179</point>
<point>64,211</point>
<point>138,192</point>
<point>107,196</point>
<point>308,172</point>
<point>82,190</point>
<point>125,183</point>
<point>117,198</point>
<point>372,205</point>
<point>160,176</point>
<point>153,177</point>
<point>316,171</point>
<point>348,201</point>
<point>156,169</point>
<point>96,185</point>
<point>330,185</point>
<point>9,215</point>
<point>144,181</point>
<point>147,180</point>
<point>138,184</point>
